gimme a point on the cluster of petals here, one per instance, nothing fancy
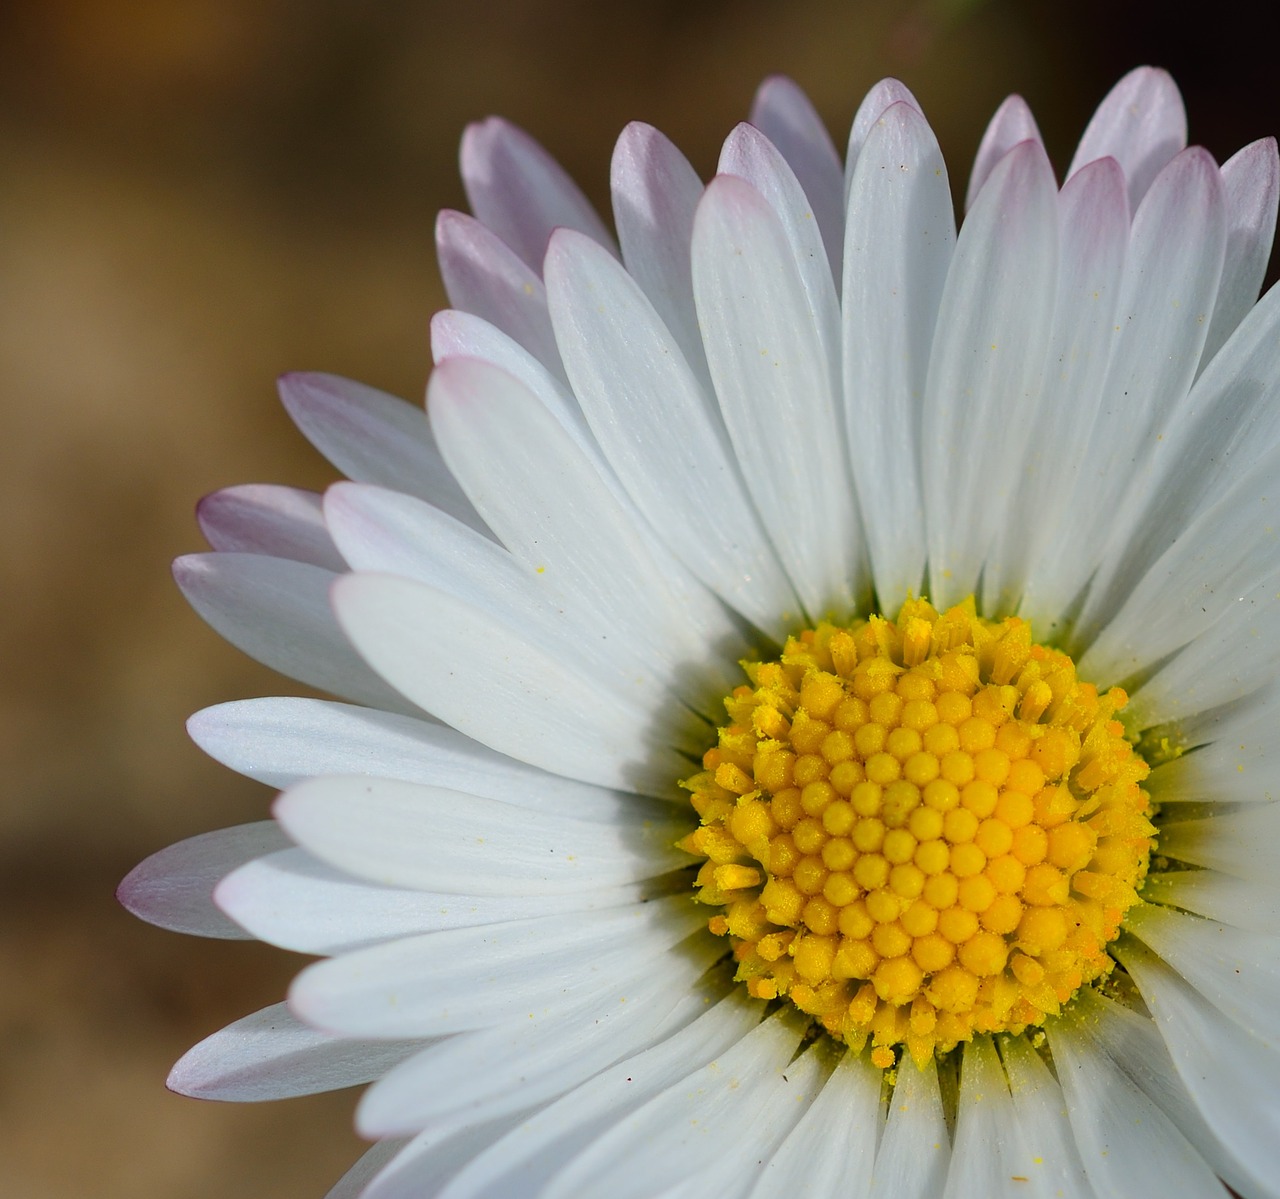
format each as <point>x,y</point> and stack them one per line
<point>796,390</point>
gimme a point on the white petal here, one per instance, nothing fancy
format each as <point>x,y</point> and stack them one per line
<point>874,103</point>
<point>1234,1078</point>
<point>457,334</point>
<point>472,977</point>
<point>487,1073</point>
<point>434,839</point>
<point>282,741</point>
<point>1232,756</point>
<point>174,887</point>
<point>371,1163</point>
<point>774,382</point>
<point>1235,970</point>
<point>1249,905</point>
<point>984,1158</point>
<point>660,431</point>
<point>295,901</point>
<point>1171,273</point>
<point>1136,1047</point>
<point>686,1127</point>
<point>748,155</point>
<point>655,194</point>
<point>280,522</point>
<point>373,437</point>
<point>811,1160</point>
<point>551,508</point>
<point>899,241</point>
<point>1141,123</point>
<point>1046,1154</point>
<point>786,116</point>
<point>1012,123</point>
<point>911,1162</point>
<point>1251,181</point>
<point>503,689</point>
<point>1228,552</point>
<point>1094,222</point>
<point>272,1055</point>
<point>520,192</point>
<point>536,1149</point>
<point>1230,418</point>
<point>1127,1144</point>
<point>1242,843</point>
<point>278,612</point>
<point>433,1157</point>
<point>485,276</point>
<point>983,387</point>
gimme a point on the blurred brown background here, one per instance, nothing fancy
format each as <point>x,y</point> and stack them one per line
<point>196,195</point>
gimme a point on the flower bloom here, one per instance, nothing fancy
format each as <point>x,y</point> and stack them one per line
<point>807,685</point>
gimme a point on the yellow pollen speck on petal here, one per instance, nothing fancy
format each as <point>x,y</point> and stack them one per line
<point>920,830</point>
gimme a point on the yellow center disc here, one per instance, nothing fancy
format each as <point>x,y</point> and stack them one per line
<point>920,830</point>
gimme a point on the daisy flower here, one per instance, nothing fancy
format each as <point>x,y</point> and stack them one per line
<point>806,687</point>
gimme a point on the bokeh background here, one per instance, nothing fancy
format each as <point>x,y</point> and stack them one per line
<point>196,195</point>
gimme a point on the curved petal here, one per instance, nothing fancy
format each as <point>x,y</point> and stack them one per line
<point>551,508</point>
<point>655,194</point>
<point>295,901</point>
<point>774,381</point>
<point>1252,906</point>
<point>283,741</point>
<point>503,689</point>
<point>1233,1077</point>
<point>1242,843</point>
<point>1094,221</point>
<point>531,1153</point>
<point>374,438</point>
<point>915,1150</point>
<point>1235,970</point>
<point>1012,124</point>
<point>272,1055</point>
<point>811,1158</point>
<point>900,237</point>
<point>520,192</point>
<point>1142,124</point>
<point>658,427</point>
<point>435,839</point>
<point>1127,1144</point>
<point>787,117</point>
<point>983,386</point>
<point>484,276</point>
<point>466,978</point>
<point>694,1121</point>
<point>874,103</point>
<point>1251,183</point>
<point>280,522</point>
<point>489,1072</point>
<point>174,887</point>
<point>278,612</point>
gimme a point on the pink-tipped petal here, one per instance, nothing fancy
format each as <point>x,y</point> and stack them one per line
<point>484,276</point>
<point>787,117</point>
<point>173,889</point>
<point>520,192</point>
<point>874,103</point>
<point>273,1055</point>
<point>1142,124</point>
<point>373,437</point>
<point>1251,183</point>
<point>259,518</point>
<point>278,612</point>
<point>1013,123</point>
<point>655,194</point>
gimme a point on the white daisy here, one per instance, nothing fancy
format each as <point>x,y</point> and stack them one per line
<point>899,948</point>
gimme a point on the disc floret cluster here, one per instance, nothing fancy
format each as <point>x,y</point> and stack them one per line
<point>922,829</point>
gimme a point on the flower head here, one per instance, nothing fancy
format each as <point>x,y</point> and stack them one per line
<point>807,686</point>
